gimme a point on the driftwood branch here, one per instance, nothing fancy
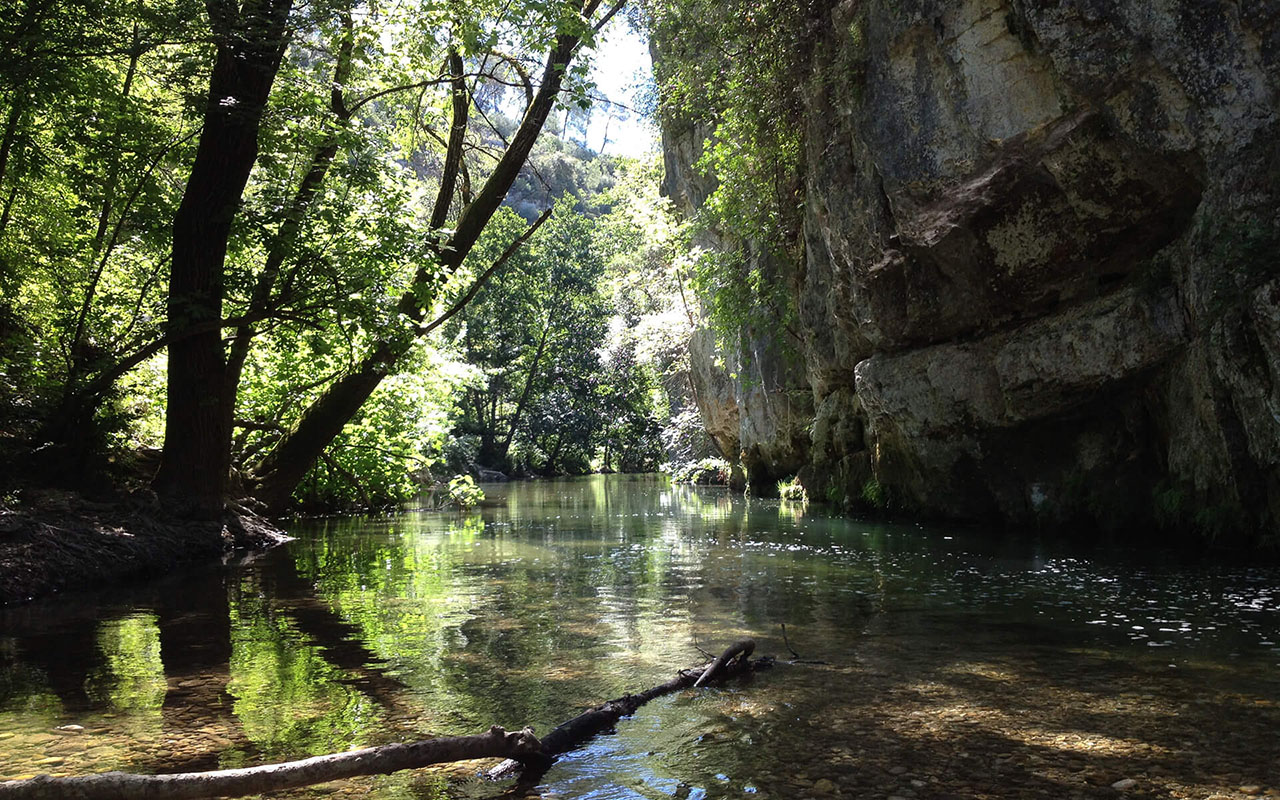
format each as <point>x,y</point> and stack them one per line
<point>274,777</point>
<point>524,753</point>
<point>741,649</point>
<point>569,735</point>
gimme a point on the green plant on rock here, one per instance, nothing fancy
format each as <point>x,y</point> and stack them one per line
<point>707,471</point>
<point>791,490</point>
<point>737,69</point>
<point>874,494</point>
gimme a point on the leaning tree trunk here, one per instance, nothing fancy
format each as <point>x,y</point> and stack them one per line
<point>197,443</point>
<point>279,473</point>
<point>283,468</point>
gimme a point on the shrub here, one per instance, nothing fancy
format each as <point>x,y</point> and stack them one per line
<point>708,471</point>
<point>463,492</point>
<point>792,490</point>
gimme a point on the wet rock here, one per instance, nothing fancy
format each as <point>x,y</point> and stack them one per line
<point>1029,230</point>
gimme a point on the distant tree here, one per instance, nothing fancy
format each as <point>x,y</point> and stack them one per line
<point>562,29</point>
<point>534,335</point>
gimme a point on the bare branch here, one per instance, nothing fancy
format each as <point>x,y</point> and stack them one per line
<point>484,276</point>
<point>457,136</point>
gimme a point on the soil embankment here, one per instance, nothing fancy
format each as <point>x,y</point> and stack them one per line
<point>57,541</point>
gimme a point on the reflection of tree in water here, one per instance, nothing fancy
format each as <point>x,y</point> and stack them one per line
<point>62,655</point>
<point>527,618</point>
<point>293,693</point>
<point>131,678</point>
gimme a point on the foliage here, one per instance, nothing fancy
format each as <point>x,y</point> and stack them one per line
<point>738,69</point>
<point>94,109</point>
<point>707,471</point>
<point>792,490</point>
<point>566,361</point>
<point>382,457</point>
<point>874,494</point>
<point>463,492</point>
<point>652,322</point>
<point>100,106</point>
<point>558,389</point>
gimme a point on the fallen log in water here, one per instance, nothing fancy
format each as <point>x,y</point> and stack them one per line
<point>525,754</point>
<point>733,661</point>
<point>497,743</point>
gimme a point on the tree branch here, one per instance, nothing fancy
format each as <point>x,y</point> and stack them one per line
<point>484,276</point>
<point>275,777</point>
<point>457,135</point>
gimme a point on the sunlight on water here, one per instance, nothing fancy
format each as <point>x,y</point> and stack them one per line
<point>924,644</point>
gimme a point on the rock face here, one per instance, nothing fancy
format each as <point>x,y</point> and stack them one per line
<point>754,397</point>
<point>1042,265</point>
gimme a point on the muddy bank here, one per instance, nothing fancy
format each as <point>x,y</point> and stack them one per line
<point>57,541</point>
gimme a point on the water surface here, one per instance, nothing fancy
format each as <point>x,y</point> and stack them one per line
<point>933,662</point>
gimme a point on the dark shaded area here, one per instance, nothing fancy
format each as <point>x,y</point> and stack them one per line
<point>60,542</point>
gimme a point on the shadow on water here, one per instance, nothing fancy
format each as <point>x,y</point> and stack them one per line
<point>954,665</point>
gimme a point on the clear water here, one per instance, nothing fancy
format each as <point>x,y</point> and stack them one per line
<point>935,662</point>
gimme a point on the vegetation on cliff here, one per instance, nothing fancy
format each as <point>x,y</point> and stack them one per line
<point>973,261</point>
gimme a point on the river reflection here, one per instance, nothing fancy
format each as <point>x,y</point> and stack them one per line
<point>937,647</point>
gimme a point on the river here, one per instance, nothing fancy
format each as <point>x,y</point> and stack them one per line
<point>932,662</point>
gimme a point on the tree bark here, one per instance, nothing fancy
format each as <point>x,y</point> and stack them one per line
<point>497,743</point>
<point>197,452</point>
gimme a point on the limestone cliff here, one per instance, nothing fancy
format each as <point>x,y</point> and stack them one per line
<point>1041,279</point>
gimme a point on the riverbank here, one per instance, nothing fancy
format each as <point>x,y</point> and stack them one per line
<point>54,541</point>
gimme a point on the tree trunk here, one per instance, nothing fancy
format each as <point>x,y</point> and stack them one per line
<point>10,134</point>
<point>286,465</point>
<point>278,250</point>
<point>281,471</point>
<point>197,452</point>
<point>514,425</point>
